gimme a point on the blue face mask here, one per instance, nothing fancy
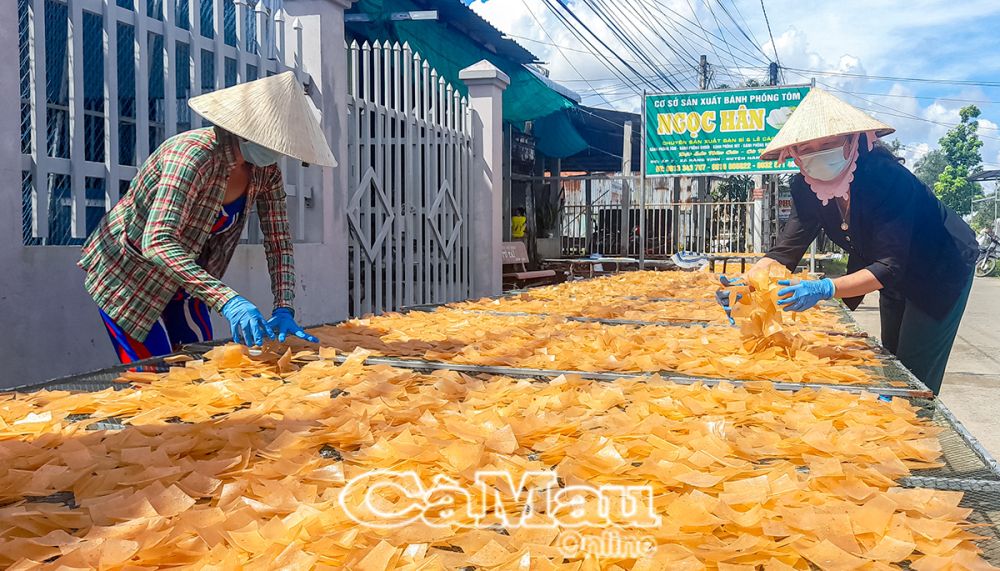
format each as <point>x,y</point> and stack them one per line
<point>258,155</point>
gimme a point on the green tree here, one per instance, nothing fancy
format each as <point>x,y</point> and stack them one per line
<point>961,147</point>
<point>895,146</point>
<point>734,188</point>
<point>930,166</point>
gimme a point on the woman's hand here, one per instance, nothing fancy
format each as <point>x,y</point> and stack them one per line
<point>283,323</point>
<point>246,322</point>
<point>722,295</point>
<point>802,295</point>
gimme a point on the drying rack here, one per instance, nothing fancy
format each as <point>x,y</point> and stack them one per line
<point>967,466</point>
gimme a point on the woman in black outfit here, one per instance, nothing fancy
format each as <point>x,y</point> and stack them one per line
<point>900,239</point>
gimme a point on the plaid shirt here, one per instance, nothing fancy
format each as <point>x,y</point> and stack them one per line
<point>157,239</point>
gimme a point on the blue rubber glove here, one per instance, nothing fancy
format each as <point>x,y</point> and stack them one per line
<point>722,296</point>
<point>283,323</point>
<point>246,322</point>
<point>805,294</point>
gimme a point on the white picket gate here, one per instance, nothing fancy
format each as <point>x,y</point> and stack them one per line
<point>104,82</point>
<point>410,159</point>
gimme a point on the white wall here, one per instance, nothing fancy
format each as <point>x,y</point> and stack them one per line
<point>51,327</point>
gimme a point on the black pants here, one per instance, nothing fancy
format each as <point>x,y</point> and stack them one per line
<point>919,341</point>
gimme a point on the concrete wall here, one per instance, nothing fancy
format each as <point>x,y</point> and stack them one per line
<point>51,327</point>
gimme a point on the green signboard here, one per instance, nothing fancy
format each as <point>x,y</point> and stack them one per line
<point>717,132</point>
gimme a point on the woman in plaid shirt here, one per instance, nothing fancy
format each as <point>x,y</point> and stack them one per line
<point>155,263</point>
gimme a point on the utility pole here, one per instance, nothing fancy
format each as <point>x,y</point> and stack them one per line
<point>766,182</point>
<point>642,185</point>
<point>626,223</point>
<point>703,81</point>
<point>703,73</point>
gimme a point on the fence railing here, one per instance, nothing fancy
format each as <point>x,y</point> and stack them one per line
<point>104,82</point>
<point>602,214</point>
<point>409,194</point>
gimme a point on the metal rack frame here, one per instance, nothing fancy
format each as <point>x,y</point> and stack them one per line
<point>968,466</point>
<point>896,371</point>
<point>975,460</point>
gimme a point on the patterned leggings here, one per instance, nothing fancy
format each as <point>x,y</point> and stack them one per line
<point>185,320</point>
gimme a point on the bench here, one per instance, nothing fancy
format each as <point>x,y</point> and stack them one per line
<point>515,254</point>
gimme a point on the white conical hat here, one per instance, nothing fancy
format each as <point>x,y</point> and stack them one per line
<point>822,115</point>
<point>272,112</point>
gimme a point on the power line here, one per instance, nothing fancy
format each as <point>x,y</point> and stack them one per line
<point>628,41</point>
<point>685,74</point>
<point>896,113</point>
<point>774,46</point>
<point>728,47</point>
<point>661,6</point>
<point>892,78</point>
<point>593,50</point>
<point>927,97</point>
<point>746,26</point>
<point>564,6</point>
<point>692,52</point>
<point>593,148</point>
<point>546,32</point>
<point>688,58</point>
<point>704,32</point>
<point>605,119</point>
<point>616,100</point>
<point>680,69</point>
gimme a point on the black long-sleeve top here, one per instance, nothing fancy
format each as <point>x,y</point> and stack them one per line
<point>898,230</point>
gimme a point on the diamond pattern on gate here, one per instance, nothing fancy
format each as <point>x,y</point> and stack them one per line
<point>445,198</point>
<point>370,183</point>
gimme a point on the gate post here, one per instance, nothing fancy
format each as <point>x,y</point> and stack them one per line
<point>10,154</point>
<point>486,85</point>
<point>322,266</point>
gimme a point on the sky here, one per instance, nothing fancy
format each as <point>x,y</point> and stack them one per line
<point>953,40</point>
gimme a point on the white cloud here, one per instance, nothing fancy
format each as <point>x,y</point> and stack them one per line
<point>848,36</point>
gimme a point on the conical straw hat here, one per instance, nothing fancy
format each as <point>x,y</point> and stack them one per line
<point>272,112</point>
<point>822,115</point>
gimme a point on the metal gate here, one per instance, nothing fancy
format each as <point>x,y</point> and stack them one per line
<point>104,82</point>
<point>410,157</point>
<point>707,227</point>
<point>599,215</point>
<point>603,213</point>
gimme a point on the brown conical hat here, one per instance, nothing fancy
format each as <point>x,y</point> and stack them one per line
<point>821,115</point>
<point>272,112</point>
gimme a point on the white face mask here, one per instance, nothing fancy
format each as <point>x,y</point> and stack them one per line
<point>825,165</point>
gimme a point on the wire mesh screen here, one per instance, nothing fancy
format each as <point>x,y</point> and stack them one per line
<point>985,506</point>
<point>887,376</point>
<point>964,467</point>
<point>963,458</point>
<point>100,379</point>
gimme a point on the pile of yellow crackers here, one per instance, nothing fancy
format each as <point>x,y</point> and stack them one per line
<point>293,461</point>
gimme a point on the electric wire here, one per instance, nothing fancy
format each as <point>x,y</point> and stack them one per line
<point>623,21</point>
<point>746,26</point>
<point>568,60</point>
<point>572,14</point>
<point>630,43</point>
<point>774,46</point>
<point>893,78</point>
<point>729,48</point>
<point>620,76</point>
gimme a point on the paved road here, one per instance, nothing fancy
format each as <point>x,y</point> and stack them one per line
<point>971,386</point>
